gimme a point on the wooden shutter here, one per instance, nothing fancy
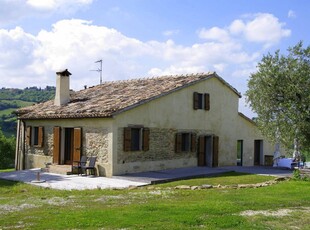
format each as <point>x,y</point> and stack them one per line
<point>193,142</point>
<point>178,143</point>
<point>215,162</point>
<point>146,139</point>
<point>127,139</point>
<point>56,145</point>
<point>207,101</point>
<point>28,135</point>
<point>196,101</point>
<point>40,136</point>
<point>77,144</point>
<point>201,151</point>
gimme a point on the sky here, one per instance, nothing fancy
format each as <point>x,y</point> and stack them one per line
<point>144,38</point>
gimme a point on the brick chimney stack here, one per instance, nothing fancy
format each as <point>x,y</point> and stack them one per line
<point>62,96</point>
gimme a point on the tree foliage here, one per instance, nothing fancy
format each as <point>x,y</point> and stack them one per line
<point>7,151</point>
<point>279,92</point>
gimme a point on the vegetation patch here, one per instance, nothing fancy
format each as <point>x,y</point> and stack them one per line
<point>34,207</point>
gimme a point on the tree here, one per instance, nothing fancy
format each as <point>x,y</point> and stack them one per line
<point>279,92</point>
<point>7,151</point>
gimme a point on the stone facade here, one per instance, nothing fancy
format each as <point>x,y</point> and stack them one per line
<point>95,143</point>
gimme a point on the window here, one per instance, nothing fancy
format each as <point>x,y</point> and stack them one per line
<point>34,136</point>
<point>185,142</point>
<point>201,101</point>
<point>136,139</point>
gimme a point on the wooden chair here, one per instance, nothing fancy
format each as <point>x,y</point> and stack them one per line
<point>90,166</point>
<point>77,165</point>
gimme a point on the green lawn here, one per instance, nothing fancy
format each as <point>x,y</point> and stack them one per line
<point>285,205</point>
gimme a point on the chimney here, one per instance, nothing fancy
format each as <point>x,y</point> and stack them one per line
<point>62,95</point>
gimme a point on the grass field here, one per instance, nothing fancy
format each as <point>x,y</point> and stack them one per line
<point>285,205</point>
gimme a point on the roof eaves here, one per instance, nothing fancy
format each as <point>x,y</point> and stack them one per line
<point>227,84</point>
<point>247,118</point>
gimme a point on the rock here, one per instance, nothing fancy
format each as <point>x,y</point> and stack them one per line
<point>281,179</point>
<point>183,187</point>
<point>206,186</point>
<point>195,187</point>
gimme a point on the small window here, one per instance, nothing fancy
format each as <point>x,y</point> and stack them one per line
<point>185,142</point>
<point>34,136</point>
<point>201,101</point>
<point>136,139</point>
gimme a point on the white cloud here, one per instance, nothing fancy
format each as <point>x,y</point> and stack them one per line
<point>265,28</point>
<point>259,28</point>
<point>237,26</point>
<point>291,14</point>
<point>14,11</point>
<point>169,33</point>
<point>215,33</point>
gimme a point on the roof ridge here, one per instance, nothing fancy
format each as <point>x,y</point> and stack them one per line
<point>158,76</point>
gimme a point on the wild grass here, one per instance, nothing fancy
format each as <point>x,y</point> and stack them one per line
<point>285,205</point>
<point>229,178</point>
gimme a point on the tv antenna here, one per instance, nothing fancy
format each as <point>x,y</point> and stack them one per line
<point>99,69</point>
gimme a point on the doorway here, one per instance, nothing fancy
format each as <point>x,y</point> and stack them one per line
<point>239,152</point>
<point>258,152</point>
<point>67,145</point>
<point>208,150</point>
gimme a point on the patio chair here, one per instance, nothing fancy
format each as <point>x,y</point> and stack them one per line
<point>90,166</point>
<point>77,165</point>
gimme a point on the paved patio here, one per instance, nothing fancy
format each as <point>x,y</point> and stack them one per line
<point>71,182</point>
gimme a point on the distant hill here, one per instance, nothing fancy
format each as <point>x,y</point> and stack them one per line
<point>12,99</point>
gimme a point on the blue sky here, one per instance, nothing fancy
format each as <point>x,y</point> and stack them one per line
<point>144,38</point>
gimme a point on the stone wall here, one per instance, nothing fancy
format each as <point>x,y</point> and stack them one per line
<point>161,147</point>
<point>94,143</point>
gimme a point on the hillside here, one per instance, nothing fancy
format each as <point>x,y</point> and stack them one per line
<point>12,99</point>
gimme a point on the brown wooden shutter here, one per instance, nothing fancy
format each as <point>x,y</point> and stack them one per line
<point>56,144</point>
<point>28,135</point>
<point>201,151</point>
<point>207,101</point>
<point>215,161</point>
<point>196,101</point>
<point>178,143</point>
<point>193,142</point>
<point>40,136</point>
<point>127,139</point>
<point>146,139</point>
<point>77,144</point>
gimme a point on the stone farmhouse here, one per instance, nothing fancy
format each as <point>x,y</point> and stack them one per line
<point>141,125</point>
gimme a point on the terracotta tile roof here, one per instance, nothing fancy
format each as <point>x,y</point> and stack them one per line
<point>111,98</point>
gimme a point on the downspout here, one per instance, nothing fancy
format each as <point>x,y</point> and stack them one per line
<point>17,145</point>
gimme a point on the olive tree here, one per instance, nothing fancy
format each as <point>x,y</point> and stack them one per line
<point>279,92</point>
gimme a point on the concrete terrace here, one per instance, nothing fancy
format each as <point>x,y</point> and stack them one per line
<point>75,182</point>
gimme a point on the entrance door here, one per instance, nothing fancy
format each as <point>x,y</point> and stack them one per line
<point>208,151</point>
<point>67,145</point>
<point>239,152</point>
<point>258,152</point>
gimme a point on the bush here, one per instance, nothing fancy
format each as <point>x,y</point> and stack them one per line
<point>7,151</point>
